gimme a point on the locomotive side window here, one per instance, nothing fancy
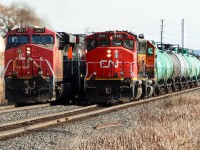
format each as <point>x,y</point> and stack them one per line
<point>42,39</point>
<point>103,42</point>
<point>150,51</point>
<point>92,44</point>
<point>22,39</point>
<point>129,44</point>
<point>116,42</point>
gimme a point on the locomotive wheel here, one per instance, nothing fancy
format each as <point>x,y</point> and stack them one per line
<point>173,88</point>
<point>138,93</point>
<point>150,91</point>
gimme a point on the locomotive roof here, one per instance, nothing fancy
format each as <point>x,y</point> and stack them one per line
<point>113,32</point>
<point>31,30</point>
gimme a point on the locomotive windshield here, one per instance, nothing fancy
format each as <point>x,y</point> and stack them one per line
<point>103,42</point>
<point>113,40</point>
<point>116,42</point>
<point>42,39</point>
<point>129,44</point>
<point>18,39</point>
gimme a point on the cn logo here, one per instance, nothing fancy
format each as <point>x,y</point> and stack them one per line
<point>108,63</point>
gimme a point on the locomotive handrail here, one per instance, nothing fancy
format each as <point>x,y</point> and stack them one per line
<point>48,63</point>
<point>7,67</point>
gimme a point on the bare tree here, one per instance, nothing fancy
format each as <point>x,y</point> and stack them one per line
<point>17,15</point>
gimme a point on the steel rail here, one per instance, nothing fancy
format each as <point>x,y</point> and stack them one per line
<point>44,116</point>
<point>23,108</point>
<point>6,107</point>
<point>42,123</point>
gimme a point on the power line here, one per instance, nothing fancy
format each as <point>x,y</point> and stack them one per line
<point>182,33</point>
<point>161,34</point>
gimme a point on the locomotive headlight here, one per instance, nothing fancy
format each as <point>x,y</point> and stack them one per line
<point>40,73</point>
<point>14,74</point>
<point>28,50</point>
<point>122,73</point>
<point>47,79</point>
<point>109,55</point>
<point>26,82</point>
<point>108,51</point>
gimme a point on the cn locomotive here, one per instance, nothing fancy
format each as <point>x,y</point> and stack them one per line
<point>35,61</point>
<point>122,67</point>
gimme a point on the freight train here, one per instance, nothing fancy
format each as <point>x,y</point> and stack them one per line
<point>104,67</point>
<point>122,67</point>
<point>35,61</point>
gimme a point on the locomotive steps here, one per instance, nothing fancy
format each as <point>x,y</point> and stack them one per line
<point>30,124</point>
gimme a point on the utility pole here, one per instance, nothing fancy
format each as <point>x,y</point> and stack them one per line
<point>161,33</point>
<point>183,33</point>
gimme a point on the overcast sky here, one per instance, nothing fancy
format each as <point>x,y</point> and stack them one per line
<point>139,16</point>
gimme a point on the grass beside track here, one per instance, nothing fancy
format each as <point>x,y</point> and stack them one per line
<point>172,124</point>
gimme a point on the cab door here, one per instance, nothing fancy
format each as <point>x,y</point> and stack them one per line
<point>150,60</point>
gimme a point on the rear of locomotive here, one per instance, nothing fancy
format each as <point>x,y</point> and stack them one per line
<point>32,65</point>
<point>111,67</point>
<point>71,88</point>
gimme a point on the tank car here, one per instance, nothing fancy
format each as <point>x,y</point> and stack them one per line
<point>119,67</point>
<point>34,64</point>
<point>177,69</point>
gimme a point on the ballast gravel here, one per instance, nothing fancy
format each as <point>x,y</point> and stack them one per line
<point>23,114</point>
<point>67,135</point>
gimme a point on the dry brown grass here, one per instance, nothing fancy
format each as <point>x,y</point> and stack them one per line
<point>2,100</point>
<point>1,58</point>
<point>172,125</point>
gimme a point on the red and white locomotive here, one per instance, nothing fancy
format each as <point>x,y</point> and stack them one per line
<point>117,65</point>
<point>34,64</point>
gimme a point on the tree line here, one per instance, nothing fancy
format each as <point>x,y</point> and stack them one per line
<point>17,15</point>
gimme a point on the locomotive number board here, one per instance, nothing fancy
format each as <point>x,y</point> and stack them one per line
<point>39,30</point>
<point>21,30</point>
<point>118,35</point>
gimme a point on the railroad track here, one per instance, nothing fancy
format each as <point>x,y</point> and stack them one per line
<point>10,108</point>
<point>29,124</point>
<point>6,107</point>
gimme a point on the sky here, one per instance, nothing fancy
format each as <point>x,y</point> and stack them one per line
<point>138,16</point>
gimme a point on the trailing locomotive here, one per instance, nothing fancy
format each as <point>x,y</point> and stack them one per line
<point>121,67</point>
<point>34,65</point>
